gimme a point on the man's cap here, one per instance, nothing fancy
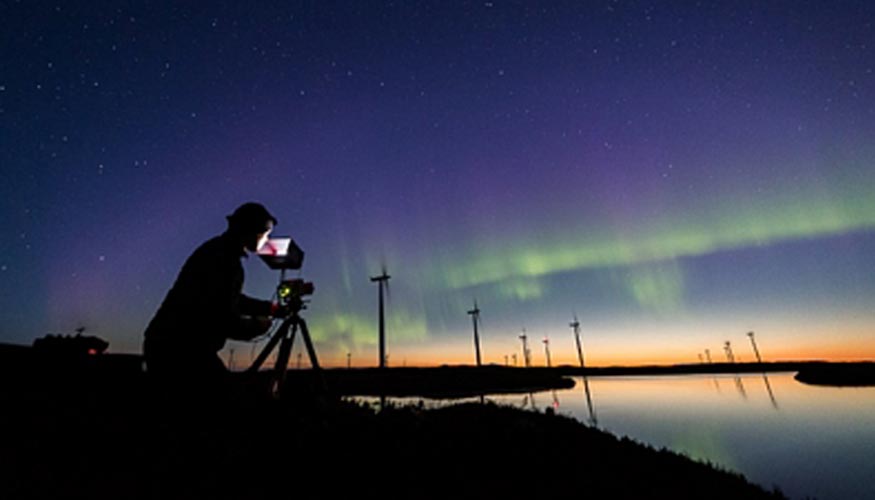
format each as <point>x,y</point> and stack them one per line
<point>251,217</point>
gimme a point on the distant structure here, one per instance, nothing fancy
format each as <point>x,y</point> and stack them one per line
<point>348,360</point>
<point>547,351</point>
<point>708,355</point>
<point>231,360</point>
<point>71,345</point>
<point>505,360</point>
<point>756,351</point>
<point>383,283</point>
<point>299,361</point>
<point>727,348</point>
<point>526,356</point>
<point>701,359</point>
<point>475,318</point>
<point>575,325</point>
<point>513,356</point>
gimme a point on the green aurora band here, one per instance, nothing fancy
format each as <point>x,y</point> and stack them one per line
<point>746,225</point>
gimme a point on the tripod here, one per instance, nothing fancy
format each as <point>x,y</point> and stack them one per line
<point>285,337</point>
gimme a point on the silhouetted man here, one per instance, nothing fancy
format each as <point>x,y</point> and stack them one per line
<point>206,306</point>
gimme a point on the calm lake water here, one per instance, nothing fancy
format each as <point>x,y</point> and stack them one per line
<point>809,441</point>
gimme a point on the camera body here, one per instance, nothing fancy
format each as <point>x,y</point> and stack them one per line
<point>293,290</point>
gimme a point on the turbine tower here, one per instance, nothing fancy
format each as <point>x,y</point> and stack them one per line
<point>576,326</point>
<point>382,283</point>
<point>727,348</point>
<point>547,351</point>
<point>756,351</point>
<point>708,355</point>
<point>526,358</point>
<point>475,318</point>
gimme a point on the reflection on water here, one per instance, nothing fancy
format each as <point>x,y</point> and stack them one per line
<point>816,443</point>
<point>593,420</point>
<point>739,385</point>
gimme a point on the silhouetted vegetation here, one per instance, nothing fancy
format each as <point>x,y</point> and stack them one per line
<point>89,436</point>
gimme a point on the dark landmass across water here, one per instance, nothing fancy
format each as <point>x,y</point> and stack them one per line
<point>838,374</point>
<point>20,362</point>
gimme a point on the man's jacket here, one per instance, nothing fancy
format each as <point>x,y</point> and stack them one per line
<point>206,305</point>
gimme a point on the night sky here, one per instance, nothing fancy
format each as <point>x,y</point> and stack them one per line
<point>674,174</point>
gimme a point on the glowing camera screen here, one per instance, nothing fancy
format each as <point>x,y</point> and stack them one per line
<point>281,253</point>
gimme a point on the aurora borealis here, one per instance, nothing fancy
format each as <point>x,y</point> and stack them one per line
<point>675,174</point>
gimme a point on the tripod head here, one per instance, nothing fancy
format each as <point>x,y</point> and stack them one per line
<point>290,294</point>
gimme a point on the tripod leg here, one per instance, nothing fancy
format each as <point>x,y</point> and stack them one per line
<point>305,333</point>
<point>282,359</point>
<point>265,353</point>
<point>314,362</point>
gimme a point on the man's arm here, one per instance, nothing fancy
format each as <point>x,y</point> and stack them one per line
<point>249,306</point>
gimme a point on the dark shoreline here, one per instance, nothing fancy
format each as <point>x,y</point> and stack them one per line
<point>89,427</point>
<point>70,441</point>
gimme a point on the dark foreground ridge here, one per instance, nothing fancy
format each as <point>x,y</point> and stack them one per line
<point>838,374</point>
<point>83,437</point>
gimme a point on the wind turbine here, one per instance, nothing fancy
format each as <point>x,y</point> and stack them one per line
<point>708,355</point>
<point>727,348</point>
<point>475,318</point>
<point>576,326</point>
<point>526,358</point>
<point>756,351</point>
<point>382,283</point>
<point>547,350</point>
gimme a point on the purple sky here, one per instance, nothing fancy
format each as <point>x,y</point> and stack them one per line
<point>675,175</point>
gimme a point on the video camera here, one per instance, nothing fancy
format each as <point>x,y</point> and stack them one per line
<point>282,254</point>
<point>292,289</point>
